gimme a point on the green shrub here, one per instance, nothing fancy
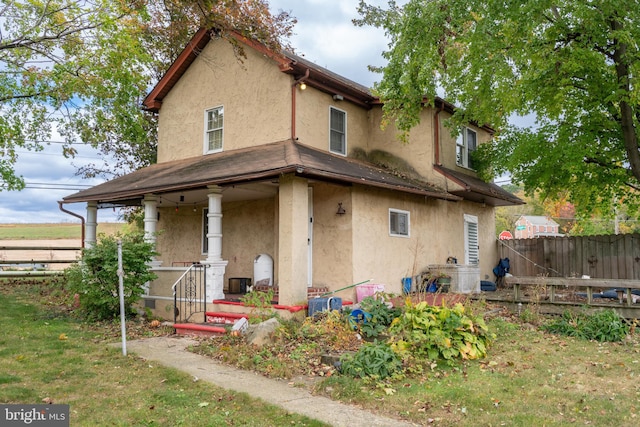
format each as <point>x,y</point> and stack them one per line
<point>604,325</point>
<point>95,278</point>
<point>379,317</point>
<point>431,332</point>
<point>261,305</point>
<point>375,360</point>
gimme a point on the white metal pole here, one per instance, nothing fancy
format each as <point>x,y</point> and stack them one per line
<point>121,292</point>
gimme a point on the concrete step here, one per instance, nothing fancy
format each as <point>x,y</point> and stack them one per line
<point>218,323</point>
<point>199,329</point>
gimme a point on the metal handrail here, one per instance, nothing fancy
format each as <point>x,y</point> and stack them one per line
<point>192,287</point>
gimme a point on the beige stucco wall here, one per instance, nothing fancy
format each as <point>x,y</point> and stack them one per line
<point>293,208</point>
<point>248,229</point>
<point>255,94</point>
<point>332,236</point>
<point>436,232</point>
<point>312,120</point>
<point>179,235</point>
<point>417,152</point>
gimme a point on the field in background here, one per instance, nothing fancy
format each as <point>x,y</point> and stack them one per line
<point>54,231</point>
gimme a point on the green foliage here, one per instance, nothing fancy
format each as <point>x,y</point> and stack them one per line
<point>429,332</point>
<point>605,325</point>
<point>375,360</point>
<point>261,303</point>
<point>571,66</point>
<point>95,278</point>
<point>380,316</point>
<point>59,58</point>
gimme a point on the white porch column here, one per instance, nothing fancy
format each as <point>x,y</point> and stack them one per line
<point>293,237</point>
<point>216,266</point>
<point>150,223</point>
<point>91,225</point>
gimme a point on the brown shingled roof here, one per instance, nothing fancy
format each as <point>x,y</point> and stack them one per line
<point>479,191</point>
<point>248,165</point>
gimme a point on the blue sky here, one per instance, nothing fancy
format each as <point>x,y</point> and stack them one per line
<point>324,35</point>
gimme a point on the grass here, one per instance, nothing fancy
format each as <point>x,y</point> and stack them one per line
<point>52,231</point>
<point>529,378</point>
<point>48,354</point>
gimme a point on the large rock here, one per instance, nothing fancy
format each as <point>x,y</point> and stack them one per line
<point>261,333</point>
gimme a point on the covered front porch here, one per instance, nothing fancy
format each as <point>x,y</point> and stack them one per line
<point>284,200</point>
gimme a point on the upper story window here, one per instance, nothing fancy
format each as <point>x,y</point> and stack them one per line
<point>466,144</point>
<point>214,129</point>
<point>337,131</point>
<point>398,223</point>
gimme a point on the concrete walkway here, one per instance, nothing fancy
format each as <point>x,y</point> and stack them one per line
<point>171,351</point>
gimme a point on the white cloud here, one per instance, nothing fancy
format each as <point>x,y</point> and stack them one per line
<point>326,36</point>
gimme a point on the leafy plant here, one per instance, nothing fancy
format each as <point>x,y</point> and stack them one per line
<point>375,359</point>
<point>605,325</point>
<point>379,316</point>
<point>95,278</point>
<point>261,302</point>
<point>430,332</point>
<point>331,330</point>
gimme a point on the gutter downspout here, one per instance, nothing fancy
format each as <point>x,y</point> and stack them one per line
<point>436,135</point>
<point>77,216</point>
<point>293,103</point>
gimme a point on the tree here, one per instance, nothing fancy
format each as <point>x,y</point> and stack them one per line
<point>82,68</point>
<point>56,57</point>
<point>571,64</point>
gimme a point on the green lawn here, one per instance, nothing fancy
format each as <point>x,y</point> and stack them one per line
<point>46,354</point>
<point>52,231</point>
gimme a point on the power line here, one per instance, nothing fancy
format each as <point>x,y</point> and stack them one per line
<point>42,153</point>
<point>59,184</point>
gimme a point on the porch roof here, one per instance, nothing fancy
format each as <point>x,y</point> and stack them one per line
<point>250,165</point>
<point>477,190</point>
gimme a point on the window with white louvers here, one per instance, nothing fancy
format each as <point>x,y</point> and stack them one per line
<point>471,241</point>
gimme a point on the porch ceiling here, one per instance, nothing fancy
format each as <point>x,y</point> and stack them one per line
<point>251,165</point>
<point>478,191</point>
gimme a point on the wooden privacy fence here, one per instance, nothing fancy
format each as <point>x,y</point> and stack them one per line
<point>602,257</point>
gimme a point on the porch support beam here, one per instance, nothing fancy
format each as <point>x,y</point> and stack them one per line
<point>293,239</point>
<point>91,225</point>
<point>216,265</point>
<point>150,203</point>
<point>150,223</point>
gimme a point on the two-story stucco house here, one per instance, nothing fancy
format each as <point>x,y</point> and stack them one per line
<point>277,156</point>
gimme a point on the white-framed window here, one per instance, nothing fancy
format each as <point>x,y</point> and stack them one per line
<point>213,129</point>
<point>399,223</point>
<point>205,231</point>
<point>337,131</point>
<point>466,144</point>
<point>471,241</point>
